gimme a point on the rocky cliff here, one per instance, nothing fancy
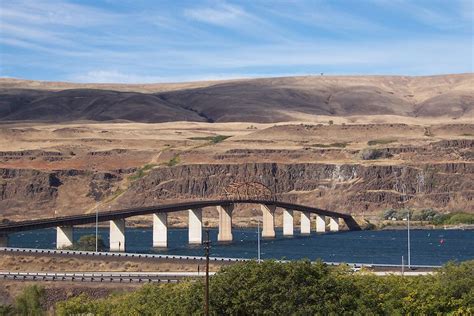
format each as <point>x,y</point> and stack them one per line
<point>351,188</point>
<point>348,187</point>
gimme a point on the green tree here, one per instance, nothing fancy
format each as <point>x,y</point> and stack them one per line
<point>6,310</point>
<point>87,243</point>
<point>295,288</point>
<point>28,303</point>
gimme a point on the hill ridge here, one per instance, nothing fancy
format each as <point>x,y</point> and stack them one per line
<point>260,100</point>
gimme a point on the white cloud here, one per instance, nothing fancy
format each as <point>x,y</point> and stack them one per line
<point>458,15</point>
<point>223,15</point>
<point>322,16</point>
<point>55,12</point>
<point>113,76</point>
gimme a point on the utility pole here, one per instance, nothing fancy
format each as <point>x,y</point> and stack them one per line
<point>405,199</point>
<point>258,240</point>
<point>207,247</point>
<point>403,267</point>
<point>96,227</point>
<point>409,250</point>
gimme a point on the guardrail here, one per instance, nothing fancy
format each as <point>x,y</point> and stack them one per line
<point>177,257</point>
<point>78,278</point>
<point>115,254</point>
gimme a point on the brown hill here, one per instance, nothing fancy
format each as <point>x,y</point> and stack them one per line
<point>251,100</point>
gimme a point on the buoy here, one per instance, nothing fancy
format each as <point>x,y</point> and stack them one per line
<point>441,241</point>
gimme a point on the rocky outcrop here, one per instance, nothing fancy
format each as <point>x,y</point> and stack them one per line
<point>350,187</point>
<point>27,192</point>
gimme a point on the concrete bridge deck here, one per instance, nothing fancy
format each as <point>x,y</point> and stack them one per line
<point>84,219</point>
<point>225,207</point>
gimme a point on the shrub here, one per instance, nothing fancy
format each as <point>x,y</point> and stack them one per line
<point>295,288</point>
<point>29,301</point>
<point>87,243</point>
<point>389,213</point>
<point>372,154</point>
<point>6,310</point>
<point>173,161</point>
<point>381,141</point>
<point>141,172</point>
<point>212,139</point>
<point>460,218</point>
<point>339,145</point>
<point>428,132</point>
<point>425,215</point>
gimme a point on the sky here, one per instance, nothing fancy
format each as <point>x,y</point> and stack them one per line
<point>141,41</point>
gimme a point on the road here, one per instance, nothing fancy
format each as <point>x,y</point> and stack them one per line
<point>101,277</point>
<point>136,277</point>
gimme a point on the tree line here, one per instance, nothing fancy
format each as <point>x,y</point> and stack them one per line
<point>294,288</point>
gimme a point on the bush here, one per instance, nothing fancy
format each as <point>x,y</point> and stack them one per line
<point>453,219</point>
<point>389,213</point>
<point>6,310</point>
<point>141,172</point>
<point>29,301</point>
<point>173,161</point>
<point>212,139</point>
<point>425,215</point>
<point>295,288</point>
<point>372,154</point>
<point>459,218</point>
<point>339,145</point>
<point>381,141</point>
<point>87,243</point>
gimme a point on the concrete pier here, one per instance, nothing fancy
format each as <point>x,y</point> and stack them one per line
<point>64,237</point>
<point>320,223</point>
<point>305,223</point>
<point>268,230</point>
<point>117,235</point>
<point>160,230</point>
<point>3,240</point>
<point>334,224</point>
<point>225,222</point>
<point>287,222</point>
<point>195,226</point>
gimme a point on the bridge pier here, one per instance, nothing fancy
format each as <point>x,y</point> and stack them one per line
<point>195,226</point>
<point>333,224</point>
<point>117,235</point>
<point>64,237</point>
<point>287,222</point>
<point>320,223</point>
<point>160,230</point>
<point>3,240</point>
<point>268,211</point>
<point>305,223</point>
<point>225,222</point>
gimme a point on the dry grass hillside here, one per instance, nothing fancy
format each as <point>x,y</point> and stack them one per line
<point>265,100</point>
<point>340,143</point>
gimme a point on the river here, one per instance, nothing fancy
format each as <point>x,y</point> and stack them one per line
<point>428,247</point>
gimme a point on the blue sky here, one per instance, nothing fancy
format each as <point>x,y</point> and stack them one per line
<point>134,41</point>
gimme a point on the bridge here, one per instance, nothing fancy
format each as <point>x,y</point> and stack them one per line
<point>64,225</point>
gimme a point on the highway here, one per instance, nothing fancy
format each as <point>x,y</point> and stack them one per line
<point>125,255</point>
<point>136,277</point>
<point>105,255</point>
<point>102,277</point>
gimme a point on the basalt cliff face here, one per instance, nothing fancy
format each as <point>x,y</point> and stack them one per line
<point>349,188</point>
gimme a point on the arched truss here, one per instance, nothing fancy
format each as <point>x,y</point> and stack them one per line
<point>247,190</point>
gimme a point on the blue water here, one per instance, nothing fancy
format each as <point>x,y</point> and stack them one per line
<point>429,247</point>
